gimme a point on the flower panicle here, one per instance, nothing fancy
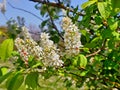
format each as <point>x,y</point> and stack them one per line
<point>46,51</point>
<point>72,37</point>
<point>51,57</point>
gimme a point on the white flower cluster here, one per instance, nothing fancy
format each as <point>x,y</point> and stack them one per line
<point>72,36</point>
<point>28,47</point>
<point>47,51</point>
<point>50,56</point>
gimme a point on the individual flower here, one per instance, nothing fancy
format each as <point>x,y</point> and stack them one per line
<point>50,55</point>
<point>72,36</point>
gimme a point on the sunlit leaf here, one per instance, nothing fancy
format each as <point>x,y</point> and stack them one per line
<point>114,26</point>
<point>6,48</point>
<point>83,61</point>
<point>83,73</point>
<point>104,9</point>
<point>88,3</point>
<point>4,70</point>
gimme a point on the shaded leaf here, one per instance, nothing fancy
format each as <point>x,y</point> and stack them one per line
<point>15,81</point>
<point>116,3</point>
<point>32,80</point>
<point>95,42</point>
<point>2,78</point>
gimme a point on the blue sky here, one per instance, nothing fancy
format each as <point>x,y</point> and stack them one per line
<point>29,6</point>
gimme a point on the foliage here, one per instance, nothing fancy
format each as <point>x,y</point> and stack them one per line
<point>93,62</point>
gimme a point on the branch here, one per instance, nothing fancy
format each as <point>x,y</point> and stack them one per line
<point>24,11</point>
<point>94,53</point>
<point>53,24</point>
<point>58,5</point>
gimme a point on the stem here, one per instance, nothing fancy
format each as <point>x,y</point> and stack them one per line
<point>53,24</point>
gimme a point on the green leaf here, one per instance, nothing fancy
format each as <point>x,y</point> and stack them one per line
<point>75,61</point>
<point>107,33</point>
<point>44,23</point>
<point>114,26</point>
<point>98,20</point>
<point>0,73</point>
<point>68,82</point>
<point>88,3</point>
<point>83,73</point>
<point>111,44</point>
<point>32,80</point>
<point>37,6</point>
<point>6,48</point>
<point>86,20</point>
<point>83,61</point>
<point>116,35</point>
<point>15,81</point>
<point>2,78</point>
<point>86,34</point>
<point>104,9</point>
<point>4,70</point>
<point>115,3</point>
<point>95,42</point>
<point>55,38</point>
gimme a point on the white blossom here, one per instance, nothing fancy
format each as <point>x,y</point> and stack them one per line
<point>72,36</point>
<point>20,45</point>
<point>50,56</point>
<point>46,51</point>
<point>28,47</point>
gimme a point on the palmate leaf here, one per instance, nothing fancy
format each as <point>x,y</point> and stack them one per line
<point>6,48</point>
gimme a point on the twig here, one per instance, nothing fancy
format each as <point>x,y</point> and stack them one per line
<point>58,5</point>
<point>24,11</point>
<point>53,24</point>
<point>92,54</point>
<point>99,50</point>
